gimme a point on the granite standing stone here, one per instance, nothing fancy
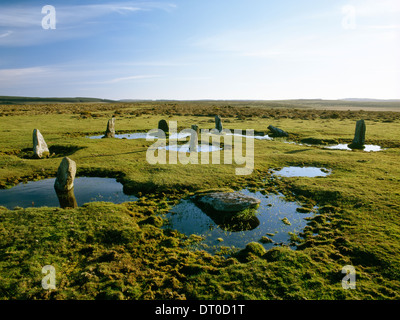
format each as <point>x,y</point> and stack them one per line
<point>218,123</point>
<point>65,175</point>
<point>359,136</point>
<point>163,125</point>
<point>110,132</point>
<point>193,144</point>
<point>40,148</point>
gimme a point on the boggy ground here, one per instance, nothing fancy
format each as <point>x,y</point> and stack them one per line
<point>108,251</point>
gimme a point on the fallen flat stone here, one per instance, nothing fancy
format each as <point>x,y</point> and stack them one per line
<point>65,175</point>
<point>276,132</point>
<point>40,148</point>
<point>227,201</point>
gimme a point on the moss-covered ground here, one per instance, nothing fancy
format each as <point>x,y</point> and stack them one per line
<point>109,251</point>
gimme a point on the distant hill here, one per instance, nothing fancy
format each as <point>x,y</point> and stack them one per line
<point>26,100</point>
<point>370,100</point>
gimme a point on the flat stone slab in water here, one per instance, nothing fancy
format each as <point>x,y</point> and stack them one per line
<point>227,201</point>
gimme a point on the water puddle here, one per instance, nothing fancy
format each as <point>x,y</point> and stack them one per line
<point>343,146</point>
<point>269,226</point>
<point>42,193</point>
<point>185,148</point>
<point>141,135</point>
<point>266,137</point>
<point>311,172</point>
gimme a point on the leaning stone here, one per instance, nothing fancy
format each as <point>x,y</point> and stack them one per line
<point>218,123</point>
<point>359,136</point>
<point>110,132</point>
<point>163,125</point>
<point>40,148</point>
<point>276,132</point>
<point>65,175</point>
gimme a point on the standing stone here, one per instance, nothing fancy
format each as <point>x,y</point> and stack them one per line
<point>40,148</point>
<point>359,136</point>
<point>193,144</point>
<point>276,132</point>
<point>218,123</point>
<point>163,125</point>
<point>65,175</point>
<point>110,132</point>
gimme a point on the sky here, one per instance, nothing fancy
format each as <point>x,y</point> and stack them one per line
<point>201,49</point>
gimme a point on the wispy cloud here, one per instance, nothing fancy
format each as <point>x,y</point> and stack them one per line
<point>23,24</point>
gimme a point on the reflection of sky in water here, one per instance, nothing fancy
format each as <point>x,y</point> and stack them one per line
<point>42,193</point>
<point>185,148</point>
<point>343,146</point>
<point>302,172</point>
<point>142,135</point>
<point>189,219</point>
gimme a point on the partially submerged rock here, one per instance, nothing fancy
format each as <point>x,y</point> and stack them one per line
<point>231,211</point>
<point>110,131</point>
<point>65,175</point>
<point>276,132</point>
<point>40,148</point>
<point>359,136</point>
<point>227,201</point>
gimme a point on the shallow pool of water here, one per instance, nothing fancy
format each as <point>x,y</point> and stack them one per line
<point>42,193</point>
<point>343,146</point>
<point>185,148</point>
<point>141,135</point>
<point>302,172</point>
<point>189,219</point>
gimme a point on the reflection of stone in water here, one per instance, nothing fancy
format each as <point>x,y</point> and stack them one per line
<point>242,221</point>
<point>67,199</point>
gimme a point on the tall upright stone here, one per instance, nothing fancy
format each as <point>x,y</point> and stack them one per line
<point>65,175</point>
<point>40,148</point>
<point>194,137</point>
<point>110,132</point>
<point>218,123</point>
<point>163,125</point>
<point>359,136</point>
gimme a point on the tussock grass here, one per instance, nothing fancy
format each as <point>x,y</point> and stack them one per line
<point>107,251</point>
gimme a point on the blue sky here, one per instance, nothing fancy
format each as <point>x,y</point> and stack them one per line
<point>202,49</point>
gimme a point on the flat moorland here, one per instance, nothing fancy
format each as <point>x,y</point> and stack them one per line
<point>120,251</point>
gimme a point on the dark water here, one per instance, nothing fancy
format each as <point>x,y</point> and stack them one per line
<point>302,172</point>
<point>189,219</point>
<point>42,193</point>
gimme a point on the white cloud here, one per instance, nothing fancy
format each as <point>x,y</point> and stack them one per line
<point>24,23</point>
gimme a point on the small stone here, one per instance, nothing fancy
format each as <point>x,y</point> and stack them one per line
<point>286,221</point>
<point>228,201</point>
<point>40,148</point>
<point>220,240</point>
<point>265,239</point>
